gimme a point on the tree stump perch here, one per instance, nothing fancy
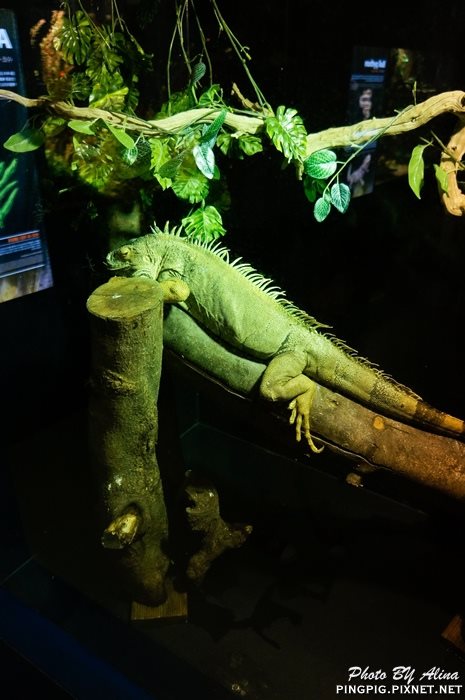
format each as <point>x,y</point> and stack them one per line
<point>126,336</point>
<point>128,333</point>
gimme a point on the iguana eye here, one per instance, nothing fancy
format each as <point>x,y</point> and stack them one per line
<point>124,253</point>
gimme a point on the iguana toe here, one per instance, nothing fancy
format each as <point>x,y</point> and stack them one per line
<point>300,416</point>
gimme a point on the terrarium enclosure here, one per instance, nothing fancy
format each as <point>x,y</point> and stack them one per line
<point>307,564</point>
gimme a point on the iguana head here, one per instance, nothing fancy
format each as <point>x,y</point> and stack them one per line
<point>137,258</point>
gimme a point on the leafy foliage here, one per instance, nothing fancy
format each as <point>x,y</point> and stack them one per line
<point>287,133</point>
<point>198,72</point>
<point>103,61</point>
<point>75,38</point>
<point>26,140</point>
<point>95,163</point>
<point>319,167</point>
<point>210,133</point>
<point>441,178</point>
<point>239,145</point>
<point>190,183</point>
<point>213,97</point>
<point>340,196</point>
<point>321,209</point>
<point>204,224</point>
<point>121,136</point>
<point>82,127</point>
<point>203,151</point>
<point>205,160</point>
<point>416,169</point>
<point>102,64</point>
<point>321,164</point>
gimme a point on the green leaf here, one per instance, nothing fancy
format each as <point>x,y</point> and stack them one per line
<point>178,102</point>
<point>198,72</point>
<point>204,224</point>
<point>416,169</point>
<point>321,164</point>
<point>81,127</point>
<point>321,209</point>
<point>190,184</point>
<point>310,189</point>
<point>205,160</point>
<point>441,178</point>
<point>53,126</point>
<point>287,132</point>
<point>133,162</point>
<point>212,96</point>
<point>250,145</point>
<point>105,98</point>
<point>93,163</point>
<point>74,38</point>
<point>224,142</point>
<point>172,166</point>
<point>130,155</point>
<point>340,196</point>
<point>164,182</point>
<point>211,132</point>
<point>160,155</point>
<point>159,152</point>
<point>26,140</point>
<point>121,136</point>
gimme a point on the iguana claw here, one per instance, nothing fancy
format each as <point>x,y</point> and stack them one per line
<point>300,408</point>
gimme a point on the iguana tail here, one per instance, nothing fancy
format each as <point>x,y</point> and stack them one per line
<point>356,378</point>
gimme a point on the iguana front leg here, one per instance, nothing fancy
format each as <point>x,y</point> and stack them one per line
<point>174,290</point>
<point>283,380</point>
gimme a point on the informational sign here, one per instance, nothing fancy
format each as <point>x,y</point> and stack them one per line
<point>383,82</point>
<point>24,261</point>
<point>366,93</point>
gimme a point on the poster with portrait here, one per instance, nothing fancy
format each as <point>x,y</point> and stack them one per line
<point>366,98</point>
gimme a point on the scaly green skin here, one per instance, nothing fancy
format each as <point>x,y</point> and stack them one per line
<point>244,312</point>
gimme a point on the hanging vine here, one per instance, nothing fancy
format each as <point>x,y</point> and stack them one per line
<point>92,132</point>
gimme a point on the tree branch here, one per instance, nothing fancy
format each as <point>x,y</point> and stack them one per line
<point>157,127</point>
<point>347,427</point>
<point>454,198</point>
<point>410,118</point>
<point>356,134</point>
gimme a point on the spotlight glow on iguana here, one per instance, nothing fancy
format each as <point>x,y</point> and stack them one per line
<point>247,313</point>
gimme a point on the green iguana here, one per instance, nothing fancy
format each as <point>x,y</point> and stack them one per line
<point>246,312</point>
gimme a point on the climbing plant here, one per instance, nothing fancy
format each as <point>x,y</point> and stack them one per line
<point>99,65</point>
<point>93,133</point>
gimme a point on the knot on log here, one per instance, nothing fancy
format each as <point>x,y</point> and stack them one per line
<point>116,383</point>
<point>122,530</point>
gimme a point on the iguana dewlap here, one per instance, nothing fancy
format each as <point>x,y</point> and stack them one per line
<point>244,311</point>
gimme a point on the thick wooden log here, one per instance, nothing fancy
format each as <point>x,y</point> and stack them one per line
<point>347,427</point>
<point>126,335</point>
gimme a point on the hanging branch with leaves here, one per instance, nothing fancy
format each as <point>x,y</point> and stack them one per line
<point>91,130</point>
